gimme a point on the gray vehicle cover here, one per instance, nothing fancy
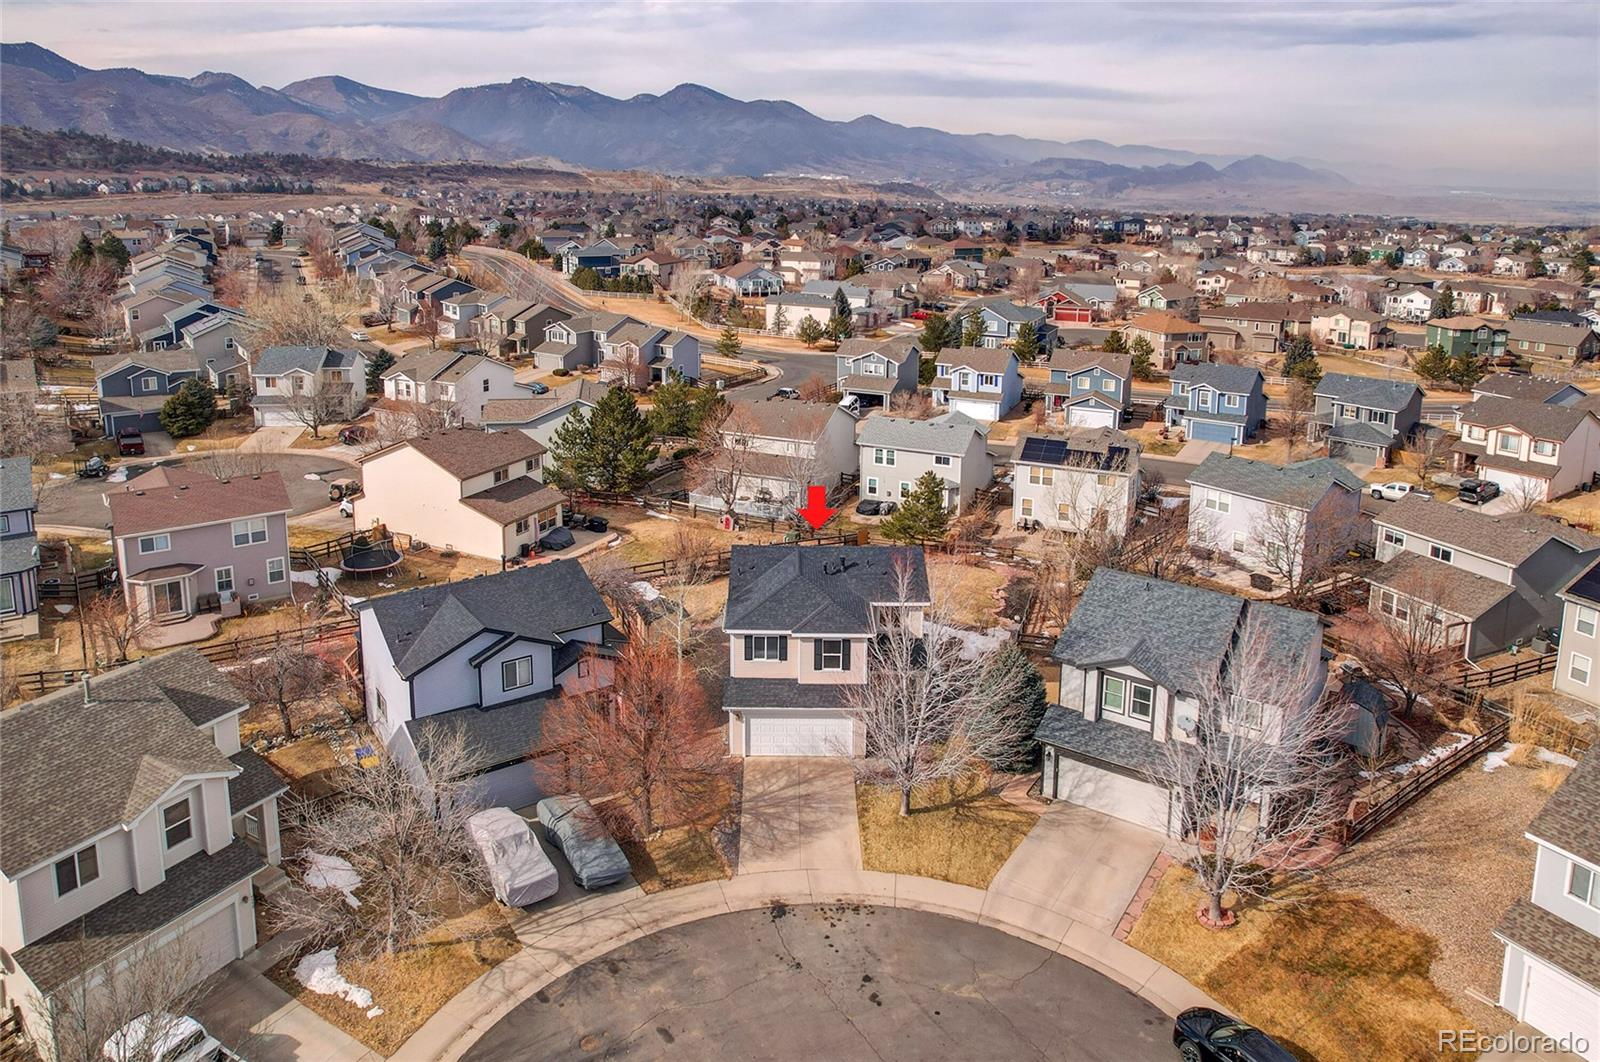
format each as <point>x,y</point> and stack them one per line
<point>574,827</point>
<point>522,874</point>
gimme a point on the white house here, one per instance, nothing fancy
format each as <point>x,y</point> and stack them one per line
<point>463,382</point>
<point>287,379</point>
<point>1078,480</point>
<point>897,451</point>
<point>772,450</point>
<point>1286,520</point>
<point>982,382</point>
<point>539,416</point>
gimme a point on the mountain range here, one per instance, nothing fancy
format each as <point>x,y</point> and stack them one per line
<point>688,130</point>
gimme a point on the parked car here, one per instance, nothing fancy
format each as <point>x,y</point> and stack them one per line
<point>355,434</point>
<point>341,489</point>
<point>850,404</point>
<point>360,336</point>
<point>370,320</point>
<point>1396,490</point>
<point>920,315</point>
<point>518,868</point>
<point>130,442</point>
<point>165,1038</point>
<point>787,392</point>
<point>556,539</point>
<point>1478,491</point>
<point>96,467</point>
<point>875,507</point>
<point>1204,1035</point>
<point>538,388</point>
<point>596,523</point>
<point>347,508</point>
<point>574,827</point>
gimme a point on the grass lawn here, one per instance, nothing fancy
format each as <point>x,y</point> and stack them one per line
<point>688,854</point>
<point>329,437</point>
<point>1580,509</point>
<point>1331,978</point>
<point>412,985</point>
<point>967,591</point>
<point>962,835</point>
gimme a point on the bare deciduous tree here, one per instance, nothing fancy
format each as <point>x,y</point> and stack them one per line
<point>1298,404</point>
<point>24,430</point>
<point>122,1009</point>
<point>1409,650</point>
<point>727,453</point>
<point>397,420</point>
<point>288,318</point>
<point>321,404</point>
<point>287,679</point>
<point>1524,494</point>
<point>1298,546</point>
<point>112,627</point>
<point>913,405</point>
<point>233,462</point>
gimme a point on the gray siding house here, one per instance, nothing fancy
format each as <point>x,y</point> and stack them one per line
<point>1288,520</point>
<point>1580,638</point>
<point>874,370</point>
<point>132,388</point>
<point>1363,418</point>
<point>19,551</point>
<point>897,451</point>
<point>539,416</point>
<point>1214,402</point>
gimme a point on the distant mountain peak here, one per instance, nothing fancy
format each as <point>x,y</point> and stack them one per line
<point>36,57</point>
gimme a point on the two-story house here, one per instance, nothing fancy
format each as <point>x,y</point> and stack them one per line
<point>1468,335</point>
<point>462,382</point>
<point>1175,298</point>
<point>1546,389</point>
<point>1065,307</point>
<point>1002,318</point>
<point>19,551</point>
<point>1173,339</point>
<point>749,280</point>
<point>1217,402</point>
<point>1534,450</point>
<point>985,383</point>
<point>132,388</point>
<point>286,379</point>
<point>1551,344</point>
<point>1409,302</point>
<point>771,450</point>
<point>799,621</point>
<point>473,491</point>
<point>1580,637</point>
<point>873,370</point>
<point>897,451</point>
<point>1550,977</point>
<point>1489,581</point>
<point>1092,388</point>
<point>484,658</point>
<point>635,354</point>
<point>422,298</point>
<point>1349,327</point>
<point>161,846</point>
<point>538,416</point>
<point>1078,480</point>
<point>1261,324</point>
<point>1362,418</point>
<point>1287,520</point>
<point>186,542</point>
<point>1134,657</point>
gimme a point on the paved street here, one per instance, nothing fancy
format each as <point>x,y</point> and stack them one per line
<point>838,981</point>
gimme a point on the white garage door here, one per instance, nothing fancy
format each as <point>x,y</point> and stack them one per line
<point>1558,1006</point>
<point>518,785</point>
<point>1091,417</point>
<point>809,734</point>
<point>1117,795</point>
<point>213,943</point>
<point>977,410</point>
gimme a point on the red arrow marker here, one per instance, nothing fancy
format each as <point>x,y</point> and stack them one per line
<point>816,512</point>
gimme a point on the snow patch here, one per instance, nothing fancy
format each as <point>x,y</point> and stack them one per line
<point>1502,755</point>
<point>119,476</point>
<point>319,971</point>
<point>974,644</point>
<point>1433,755</point>
<point>315,477</point>
<point>645,590</point>
<point>63,475</point>
<point>659,516</point>
<point>331,872</point>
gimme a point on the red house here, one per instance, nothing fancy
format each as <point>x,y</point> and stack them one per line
<point>1064,307</point>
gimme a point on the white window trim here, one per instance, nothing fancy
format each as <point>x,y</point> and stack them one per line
<point>216,574</point>
<point>167,827</point>
<point>245,531</point>
<point>1585,617</point>
<point>1573,668</point>
<point>838,656</point>
<point>276,569</point>
<point>1593,899</point>
<point>154,548</point>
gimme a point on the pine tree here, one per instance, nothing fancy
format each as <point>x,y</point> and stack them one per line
<point>191,410</point>
<point>275,234</point>
<point>922,516</point>
<point>83,253</point>
<point>1026,345</point>
<point>1115,343</point>
<point>729,345</point>
<point>436,248</point>
<point>1445,305</point>
<point>780,320</point>
<point>1032,701</point>
<point>1300,361</point>
<point>935,333</point>
<point>572,451</point>
<point>1466,369</point>
<point>840,328</point>
<point>1433,364</point>
<point>680,407</point>
<point>1142,362</point>
<point>809,331</point>
<point>621,443</point>
<point>972,330</point>
<point>115,252</point>
<point>377,365</point>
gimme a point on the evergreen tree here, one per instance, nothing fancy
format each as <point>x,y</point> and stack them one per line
<point>114,251</point>
<point>935,333</point>
<point>1032,699</point>
<point>83,253</point>
<point>680,407</point>
<point>1300,361</point>
<point>839,326</point>
<point>275,234</point>
<point>436,248</point>
<point>1026,345</point>
<point>191,410</point>
<point>1433,364</point>
<point>780,320</point>
<point>1397,258</point>
<point>572,451</point>
<point>377,365</point>
<point>1142,363</point>
<point>1466,369</point>
<point>809,331</point>
<point>927,371</point>
<point>621,441</point>
<point>729,345</point>
<point>922,516</point>
<point>853,268</point>
<point>972,329</point>
<point>1115,344</point>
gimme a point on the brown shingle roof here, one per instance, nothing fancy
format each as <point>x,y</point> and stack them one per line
<point>167,498</point>
<point>1166,324</point>
<point>514,499</point>
<point>1510,539</point>
<point>464,452</point>
<point>1533,418</point>
<point>978,359</point>
<point>1570,819</point>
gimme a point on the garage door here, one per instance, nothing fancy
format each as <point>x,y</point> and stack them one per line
<point>518,785</point>
<point>1210,431</point>
<point>810,734</point>
<point>1558,1006</point>
<point>984,411</point>
<point>1117,795</point>
<point>209,944</point>
<point>1091,417</point>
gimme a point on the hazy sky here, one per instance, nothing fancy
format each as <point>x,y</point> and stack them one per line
<point>1454,93</point>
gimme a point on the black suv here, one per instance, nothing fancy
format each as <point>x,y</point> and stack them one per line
<point>1205,1035</point>
<point>1478,491</point>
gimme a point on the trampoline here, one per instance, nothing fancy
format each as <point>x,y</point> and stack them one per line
<point>364,558</point>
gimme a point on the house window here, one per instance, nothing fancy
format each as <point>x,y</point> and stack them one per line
<point>1041,476</point>
<point>501,475</point>
<point>1508,443</point>
<point>1104,479</point>
<point>1120,696</point>
<point>515,674</point>
<point>1578,669</point>
<point>224,576</point>
<point>1441,553</point>
<point>1238,542</point>
<point>1393,538</point>
<point>275,570</point>
<point>177,823</point>
<point>148,383</point>
<point>905,488</point>
<point>1544,447</point>
<point>766,647</point>
<point>942,460</point>
<point>1389,604</point>
<point>486,387</point>
<point>882,457</point>
<point>1218,502</point>
<point>527,466</point>
<point>1581,884</point>
<point>79,868</point>
<point>155,543</point>
<point>1583,620</point>
<point>1025,507</point>
<point>832,654</point>
<point>5,524</point>
<point>8,598</point>
<point>1064,511</point>
<point>521,526</point>
<point>872,485</point>
<point>1141,701</point>
<point>1108,385</point>
<point>246,532</point>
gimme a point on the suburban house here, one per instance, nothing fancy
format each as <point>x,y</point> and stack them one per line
<point>1064,307</point>
<point>187,542</point>
<point>574,342</point>
<point>604,257</point>
<point>132,388</point>
<point>772,449</point>
<point>794,308</point>
<point>19,551</point>
<point>1534,450</point>
<point>1468,335</point>
<point>463,382</point>
<point>799,621</point>
<point>524,328</point>
<point>1173,339</point>
<point>1409,302</point>
<point>1082,479</point>
<point>748,280</point>
<point>1092,388</point>
<point>1262,324</point>
<point>538,416</point>
<point>1002,319</point>
<point>1363,418</point>
<point>1176,298</point>
<point>473,491</point>
<point>1489,581</point>
<point>873,371</point>
<point>1134,656</point>
<point>286,380</point>
<point>484,658</point>
<point>164,846</point>
<point>1286,520</point>
<point>635,354</point>
<point>982,382</point>
<point>897,451</point>
<point>1580,638</point>
<point>1549,342</point>
<point>1217,402</point>
<point>1349,327</point>
<point>1545,389</point>
<point>1549,977</point>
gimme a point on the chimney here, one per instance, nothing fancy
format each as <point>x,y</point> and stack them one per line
<point>87,700</point>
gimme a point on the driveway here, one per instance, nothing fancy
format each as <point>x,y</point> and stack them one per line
<point>798,814</point>
<point>842,981</point>
<point>1080,864</point>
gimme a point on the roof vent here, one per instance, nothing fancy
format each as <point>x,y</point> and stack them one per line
<point>183,486</point>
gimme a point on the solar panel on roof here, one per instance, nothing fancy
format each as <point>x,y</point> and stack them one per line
<point>1044,451</point>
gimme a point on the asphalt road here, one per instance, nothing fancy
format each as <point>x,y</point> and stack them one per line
<point>842,982</point>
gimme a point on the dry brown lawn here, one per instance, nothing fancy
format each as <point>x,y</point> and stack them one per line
<point>1332,978</point>
<point>968,592</point>
<point>688,854</point>
<point>963,834</point>
<point>329,437</point>
<point>1580,509</point>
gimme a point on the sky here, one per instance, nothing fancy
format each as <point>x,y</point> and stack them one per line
<point>1469,94</point>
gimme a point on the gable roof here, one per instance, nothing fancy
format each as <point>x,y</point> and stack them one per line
<point>1518,385</point>
<point>1076,361</point>
<point>996,360</point>
<point>540,603</point>
<point>1570,819</point>
<point>780,418</point>
<point>429,365</point>
<point>1535,418</point>
<point>1106,449</point>
<point>1163,323</point>
<point>1301,484</point>
<point>817,589</point>
<point>467,452</point>
<point>172,497</point>
<point>1232,379</point>
<point>948,434</point>
<point>1368,391</point>
<point>1510,539</point>
<point>507,411</point>
<point>896,348</point>
<point>277,361</point>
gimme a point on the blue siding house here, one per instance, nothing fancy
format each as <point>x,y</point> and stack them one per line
<point>1217,403</point>
<point>134,387</point>
<point>1091,387</point>
<point>19,551</point>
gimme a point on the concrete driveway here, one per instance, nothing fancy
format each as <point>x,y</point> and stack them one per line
<point>798,814</point>
<point>1080,864</point>
<point>836,981</point>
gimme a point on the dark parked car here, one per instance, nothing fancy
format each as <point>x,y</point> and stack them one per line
<point>1204,1035</point>
<point>875,507</point>
<point>130,442</point>
<point>538,388</point>
<point>574,827</point>
<point>1478,491</point>
<point>355,434</point>
<point>595,523</point>
<point>556,539</point>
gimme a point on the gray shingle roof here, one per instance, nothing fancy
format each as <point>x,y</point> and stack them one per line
<point>1362,433</point>
<point>1570,819</point>
<point>17,553</point>
<point>1510,539</point>
<point>275,361</point>
<point>537,603</point>
<point>1232,379</point>
<point>139,735</point>
<point>1517,385</point>
<point>496,736</point>
<point>1553,939</point>
<point>1368,391</point>
<point>1454,590</point>
<point>948,434</point>
<point>781,693</point>
<point>803,590</point>
<point>1301,484</point>
<point>257,781</point>
<point>1109,743</point>
<point>16,483</point>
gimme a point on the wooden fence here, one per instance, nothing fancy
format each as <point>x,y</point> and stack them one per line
<point>1473,679</point>
<point>246,648</point>
<point>78,584</point>
<point>715,565</point>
